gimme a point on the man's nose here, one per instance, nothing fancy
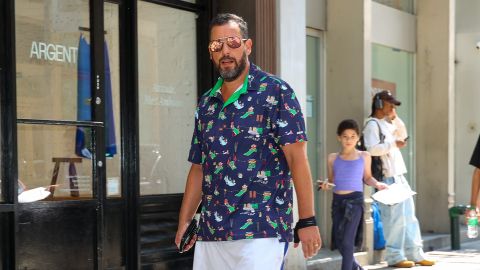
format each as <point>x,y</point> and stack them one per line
<point>225,49</point>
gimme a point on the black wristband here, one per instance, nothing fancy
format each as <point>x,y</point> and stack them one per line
<point>303,223</point>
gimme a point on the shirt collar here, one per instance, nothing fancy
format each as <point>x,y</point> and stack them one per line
<point>246,86</point>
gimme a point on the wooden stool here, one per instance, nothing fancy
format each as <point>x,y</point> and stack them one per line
<point>72,175</point>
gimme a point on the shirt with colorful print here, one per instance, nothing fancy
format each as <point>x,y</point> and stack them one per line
<point>247,185</point>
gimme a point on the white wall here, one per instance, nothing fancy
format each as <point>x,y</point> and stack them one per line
<point>393,28</point>
<point>435,121</point>
<point>292,46</point>
<point>317,14</point>
<point>467,94</point>
<point>291,67</point>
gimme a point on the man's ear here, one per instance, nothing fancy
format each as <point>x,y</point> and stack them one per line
<point>248,46</point>
<point>211,57</point>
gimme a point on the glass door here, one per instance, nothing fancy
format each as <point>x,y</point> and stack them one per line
<point>49,77</point>
<point>170,52</point>
<point>315,122</point>
<point>395,70</point>
<point>167,57</point>
<point>68,131</point>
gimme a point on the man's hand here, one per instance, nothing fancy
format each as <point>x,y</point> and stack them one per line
<point>311,241</point>
<point>472,212</point>
<point>190,203</point>
<point>178,237</point>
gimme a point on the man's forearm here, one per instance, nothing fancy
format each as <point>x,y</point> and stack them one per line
<point>193,194</point>
<point>302,180</point>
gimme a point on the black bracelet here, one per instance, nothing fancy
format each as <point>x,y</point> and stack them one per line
<point>303,223</point>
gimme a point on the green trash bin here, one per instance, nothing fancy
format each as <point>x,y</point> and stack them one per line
<point>454,213</point>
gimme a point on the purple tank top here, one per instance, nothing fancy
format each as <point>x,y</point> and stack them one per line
<point>348,174</point>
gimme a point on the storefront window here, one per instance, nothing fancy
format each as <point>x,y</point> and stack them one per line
<point>403,5</point>
<point>48,34</point>
<point>392,69</point>
<point>53,83</point>
<point>111,25</point>
<point>313,99</point>
<point>167,64</point>
<point>45,160</point>
<point>315,121</point>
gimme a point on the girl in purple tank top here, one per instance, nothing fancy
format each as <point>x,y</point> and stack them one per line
<point>347,171</point>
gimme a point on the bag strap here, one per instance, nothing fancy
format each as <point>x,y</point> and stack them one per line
<point>382,137</point>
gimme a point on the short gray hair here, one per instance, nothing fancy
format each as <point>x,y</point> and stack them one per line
<point>224,18</point>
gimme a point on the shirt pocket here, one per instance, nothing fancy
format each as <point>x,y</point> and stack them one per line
<point>250,143</point>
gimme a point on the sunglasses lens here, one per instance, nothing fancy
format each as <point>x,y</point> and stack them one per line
<point>233,42</point>
<point>215,46</point>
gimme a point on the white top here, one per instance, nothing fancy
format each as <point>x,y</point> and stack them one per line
<point>391,156</point>
<point>401,131</point>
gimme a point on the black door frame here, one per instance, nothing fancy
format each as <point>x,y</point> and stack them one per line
<point>128,120</point>
<point>8,134</point>
<point>130,112</point>
<point>129,130</point>
<point>9,121</point>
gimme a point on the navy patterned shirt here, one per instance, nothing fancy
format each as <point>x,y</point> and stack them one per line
<point>247,185</point>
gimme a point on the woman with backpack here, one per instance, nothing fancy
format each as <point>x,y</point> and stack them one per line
<point>383,137</point>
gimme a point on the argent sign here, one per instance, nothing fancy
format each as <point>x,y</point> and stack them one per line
<point>53,52</point>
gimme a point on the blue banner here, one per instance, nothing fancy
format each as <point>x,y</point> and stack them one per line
<point>83,137</point>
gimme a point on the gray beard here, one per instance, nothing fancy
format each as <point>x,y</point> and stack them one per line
<point>234,73</point>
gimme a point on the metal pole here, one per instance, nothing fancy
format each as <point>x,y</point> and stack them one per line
<point>454,233</point>
<point>454,213</point>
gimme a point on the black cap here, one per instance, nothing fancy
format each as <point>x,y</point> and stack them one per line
<point>387,96</point>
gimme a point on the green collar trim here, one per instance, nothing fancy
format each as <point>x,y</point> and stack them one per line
<point>215,88</point>
<point>234,97</point>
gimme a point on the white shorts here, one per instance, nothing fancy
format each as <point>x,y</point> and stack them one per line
<point>251,254</point>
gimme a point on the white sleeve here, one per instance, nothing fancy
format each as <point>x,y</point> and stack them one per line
<point>401,130</point>
<point>371,137</point>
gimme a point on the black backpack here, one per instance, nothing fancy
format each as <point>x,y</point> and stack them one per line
<point>377,165</point>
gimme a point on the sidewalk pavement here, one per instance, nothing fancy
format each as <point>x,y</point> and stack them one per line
<point>467,258</point>
<point>436,246</point>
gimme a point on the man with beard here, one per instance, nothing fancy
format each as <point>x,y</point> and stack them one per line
<point>248,150</point>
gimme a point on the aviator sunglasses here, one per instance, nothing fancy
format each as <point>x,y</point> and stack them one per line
<point>232,42</point>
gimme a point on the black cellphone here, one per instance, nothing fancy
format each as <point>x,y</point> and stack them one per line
<point>191,231</point>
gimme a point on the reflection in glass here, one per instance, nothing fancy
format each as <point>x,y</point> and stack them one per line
<point>313,88</point>
<point>112,44</point>
<point>396,67</point>
<point>46,159</point>
<point>47,38</point>
<point>167,96</point>
<point>52,83</point>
